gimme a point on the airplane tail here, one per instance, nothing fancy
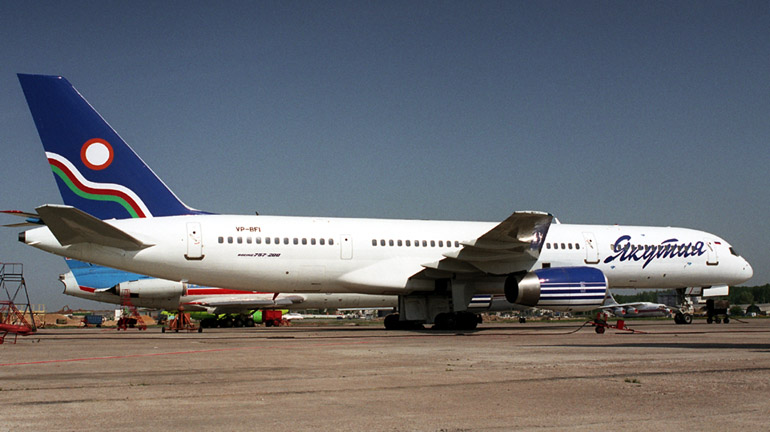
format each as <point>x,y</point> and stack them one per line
<point>99,277</point>
<point>95,170</point>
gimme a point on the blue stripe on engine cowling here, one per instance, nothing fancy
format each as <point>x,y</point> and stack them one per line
<point>571,286</point>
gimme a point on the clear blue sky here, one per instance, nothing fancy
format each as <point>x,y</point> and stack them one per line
<point>630,112</point>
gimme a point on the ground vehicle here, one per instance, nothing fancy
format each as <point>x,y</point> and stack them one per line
<point>716,311</point>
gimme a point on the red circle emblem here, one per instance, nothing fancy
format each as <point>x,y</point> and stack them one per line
<point>97,154</point>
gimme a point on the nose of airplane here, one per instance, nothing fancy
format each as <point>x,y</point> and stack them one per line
<point>749,272</point>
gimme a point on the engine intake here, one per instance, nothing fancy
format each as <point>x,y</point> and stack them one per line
<point>558,288</point>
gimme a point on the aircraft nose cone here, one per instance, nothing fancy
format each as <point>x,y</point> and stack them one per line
<point>748,270</point>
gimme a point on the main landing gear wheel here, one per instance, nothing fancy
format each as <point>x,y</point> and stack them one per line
<point>456,321</point>
<point>393,322</point>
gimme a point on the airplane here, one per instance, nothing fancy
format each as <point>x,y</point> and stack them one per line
<point>119,214</point>
<point>108,285</point>
<point>635,310</point>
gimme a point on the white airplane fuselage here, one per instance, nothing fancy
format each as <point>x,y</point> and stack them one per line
<point>380,256</point>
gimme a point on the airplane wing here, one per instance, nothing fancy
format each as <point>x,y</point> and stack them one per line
<point>511,246</point>
<point>70,226</point>
<point>243,303</point>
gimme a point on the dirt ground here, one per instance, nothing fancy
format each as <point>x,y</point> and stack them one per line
<point>535,376</point>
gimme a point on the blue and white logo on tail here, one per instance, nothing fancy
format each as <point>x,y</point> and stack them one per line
<point>95,170</point>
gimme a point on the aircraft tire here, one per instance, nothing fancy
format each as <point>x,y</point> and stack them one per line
<point>727,320</point>
<point>687,319</point>
<point>391,322</point>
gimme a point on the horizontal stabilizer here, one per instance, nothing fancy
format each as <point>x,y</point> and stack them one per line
<point>32,218</point>
<point>71,226</point>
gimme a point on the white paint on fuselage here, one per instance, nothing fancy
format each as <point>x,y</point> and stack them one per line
<point>375,269</point>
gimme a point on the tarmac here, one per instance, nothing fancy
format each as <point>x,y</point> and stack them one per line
<point>533,376</point>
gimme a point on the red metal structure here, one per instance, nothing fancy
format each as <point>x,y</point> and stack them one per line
<point>130,317</point>
<point>14,289</point>
<point>182,321</point>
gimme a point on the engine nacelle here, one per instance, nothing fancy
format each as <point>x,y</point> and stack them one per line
<point>152,288</point>
<point>558,288</point>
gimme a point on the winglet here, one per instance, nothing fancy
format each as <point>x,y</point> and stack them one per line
<point>71,226</point>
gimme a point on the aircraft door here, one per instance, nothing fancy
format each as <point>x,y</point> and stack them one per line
<point>592,248</point>
<point>346,247</point>
<point>194,241</point>
<point>711,254</point>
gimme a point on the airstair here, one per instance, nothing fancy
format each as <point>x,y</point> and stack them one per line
<point>14,303</point>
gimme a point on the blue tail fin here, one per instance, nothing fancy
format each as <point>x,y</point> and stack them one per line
<point>96,171</point>
<point>98,277</point>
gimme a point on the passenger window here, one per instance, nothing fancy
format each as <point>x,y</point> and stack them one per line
<point>221,239</point>
<point>577,246</point>
<point>424,243</point>
<point>547,245</point>
<point>433,243</point>
<point>331,242</point>
<point>563,246</point>
<point>390,242</point>
<point>267,240</point>
<point>312,241</point>
<point>321,242</point>
<point>408,243</point>
<point>258,240</point>
<point>230,240</point>
<point>296,241</point>
<point>441,243</point>
<point>382,242</point>
<point>374,242</point>
<point>248,240</point>
<point>400,243</point>
<point>570,245</point>
<point>304,241</point>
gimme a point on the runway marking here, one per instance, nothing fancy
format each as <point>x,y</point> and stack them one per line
<point>116,357</point>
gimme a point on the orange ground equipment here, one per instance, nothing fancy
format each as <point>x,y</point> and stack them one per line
<point>12,306</point>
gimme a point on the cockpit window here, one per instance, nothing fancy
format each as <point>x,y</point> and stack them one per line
<point>732,251</point>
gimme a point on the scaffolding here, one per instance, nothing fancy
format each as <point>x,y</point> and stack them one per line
<point>14,303</point>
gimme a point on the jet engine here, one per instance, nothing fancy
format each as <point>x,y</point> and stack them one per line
<point>152,288</point>
<point>558,288</point>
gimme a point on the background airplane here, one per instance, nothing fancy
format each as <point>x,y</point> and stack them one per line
<point>119,214</point>
<point>107,285</point>
<point>636,309</point>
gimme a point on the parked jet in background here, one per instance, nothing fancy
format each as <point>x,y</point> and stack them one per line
<point>635,310</point>
<point>104,284</point>
<point>108,285</point>
<point>118,213</point>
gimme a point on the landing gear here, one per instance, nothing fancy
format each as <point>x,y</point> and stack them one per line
<point>684,315</point>
<point>393,322</point>
<point>456,321</point>
<point>683,318</point>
